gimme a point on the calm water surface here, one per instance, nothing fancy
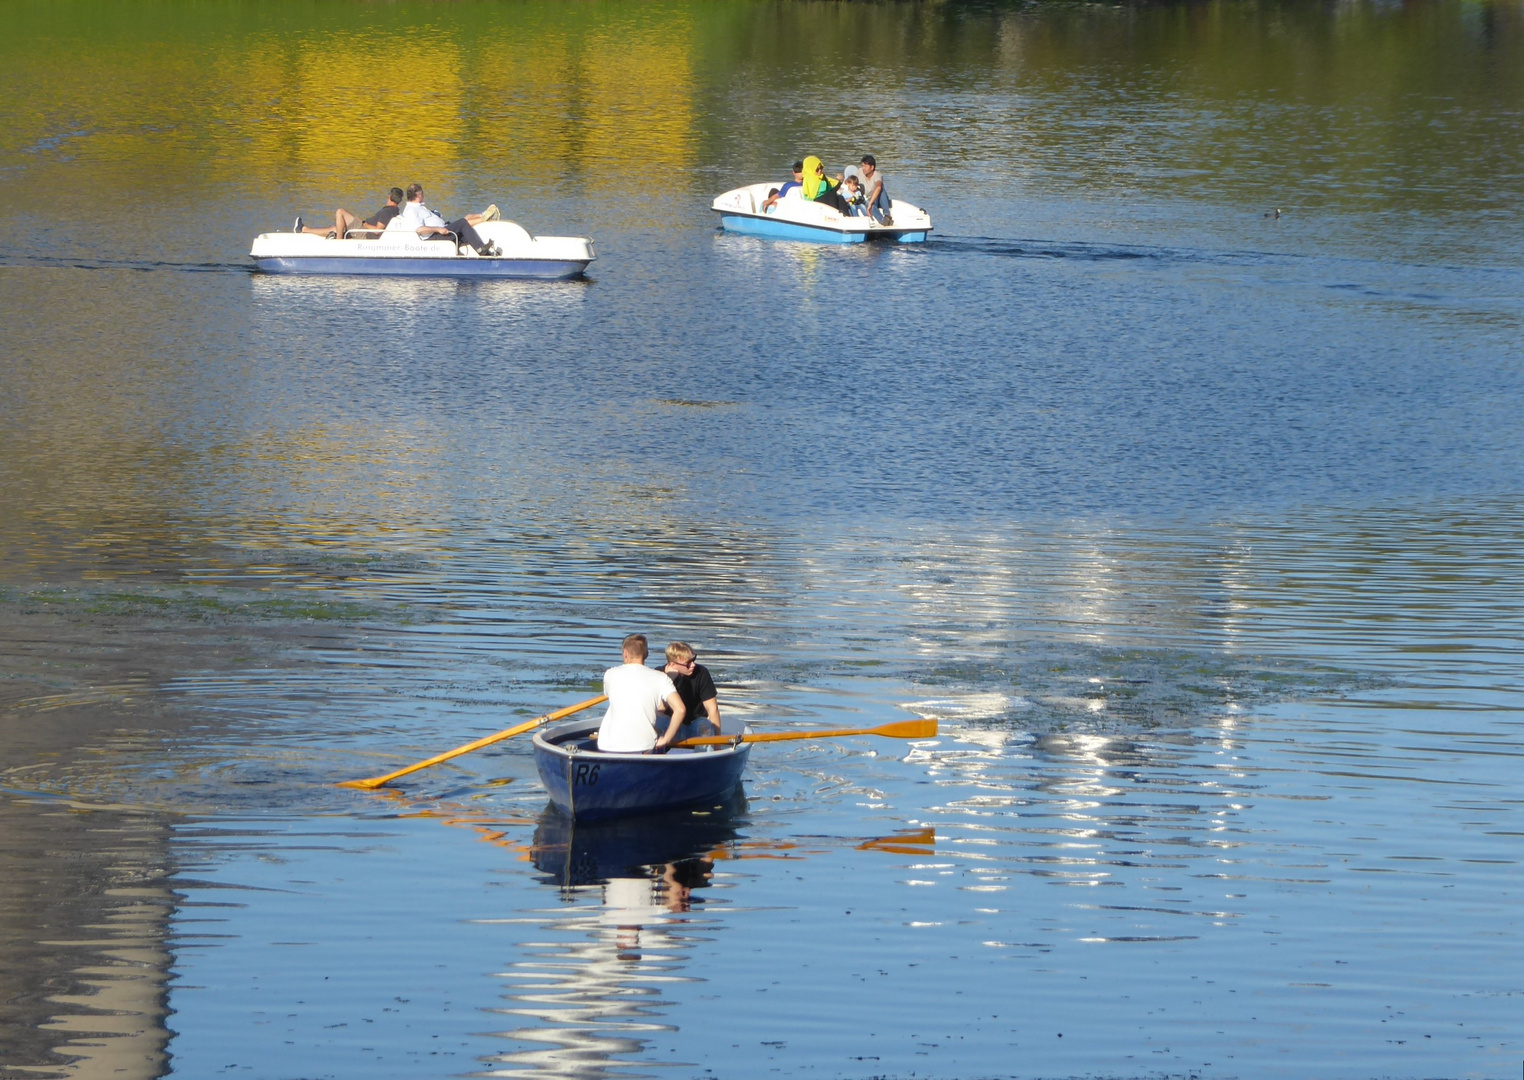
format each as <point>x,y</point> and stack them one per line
<point>1200,530</point>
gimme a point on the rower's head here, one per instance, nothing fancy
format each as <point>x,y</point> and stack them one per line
<point>415,193</point>
<point>680,654</point>
<point>869,164</point>
<point>636,649</point>
<point>395,196</point>
<point>798,170</point>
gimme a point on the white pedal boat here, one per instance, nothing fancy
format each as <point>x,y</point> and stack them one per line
<point>795,218</point>
<point>399,250</point>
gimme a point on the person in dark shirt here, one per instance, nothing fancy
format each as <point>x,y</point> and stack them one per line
<point>694,685</point>
<point>345,222</point>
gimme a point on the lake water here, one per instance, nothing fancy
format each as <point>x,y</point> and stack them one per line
<point>1198,527</point>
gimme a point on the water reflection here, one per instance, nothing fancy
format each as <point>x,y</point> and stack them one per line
<point>85,908</point>
<point>578,854</point>
<point>639,895</point>
<point>403,296</point>
<point>599,996</point>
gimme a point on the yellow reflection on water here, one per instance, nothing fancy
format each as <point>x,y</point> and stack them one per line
<point>354,100</point>
<point>358,107</point>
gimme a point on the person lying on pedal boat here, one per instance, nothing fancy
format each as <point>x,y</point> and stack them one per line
<point>635,693</point>
<point>346,222</point>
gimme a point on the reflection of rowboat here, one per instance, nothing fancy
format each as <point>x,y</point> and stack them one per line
<point>399,250</point>
<point>586,785</point>
<point>591,853</point>
<point>793,218</point>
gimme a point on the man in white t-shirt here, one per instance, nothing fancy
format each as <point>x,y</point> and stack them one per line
<point>635,693</point>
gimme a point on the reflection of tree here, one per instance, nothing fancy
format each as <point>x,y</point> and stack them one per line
<point>356,100</point>
<point>85,907</point>
<point>1231,99</point>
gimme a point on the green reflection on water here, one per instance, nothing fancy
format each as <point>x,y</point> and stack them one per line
<point>1364,105</point>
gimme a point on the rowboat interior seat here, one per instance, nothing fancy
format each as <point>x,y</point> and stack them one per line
<point>589,745</point>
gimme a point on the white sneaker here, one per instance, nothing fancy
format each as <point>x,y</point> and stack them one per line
<point>492,213</point>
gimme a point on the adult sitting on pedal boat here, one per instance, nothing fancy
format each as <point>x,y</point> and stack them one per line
<point>820,188</point>
<point>875,191</point>
<point>431,226</point>
<point>635,693</point>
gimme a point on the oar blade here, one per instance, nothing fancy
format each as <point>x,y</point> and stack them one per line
<point>365,785</point>
<point>908,729</point>
<point>903,729</point>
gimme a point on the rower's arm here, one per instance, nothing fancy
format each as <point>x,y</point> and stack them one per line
<point>712,708</point>
<point>679,713</point>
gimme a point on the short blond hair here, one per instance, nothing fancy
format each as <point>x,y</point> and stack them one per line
<point>680,652</point>
<point>636,643</point>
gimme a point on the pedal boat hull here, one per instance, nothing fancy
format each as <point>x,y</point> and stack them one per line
<point>794,218</point>
<point>400,252</point>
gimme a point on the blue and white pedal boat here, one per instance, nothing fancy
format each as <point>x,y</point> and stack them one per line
<point>587,785</point>
<point>400,251</point>
<point>796,218</point>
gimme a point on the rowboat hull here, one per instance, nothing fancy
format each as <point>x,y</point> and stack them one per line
<point>589,786</point>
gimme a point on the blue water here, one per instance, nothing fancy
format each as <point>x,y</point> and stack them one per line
<point>1198,529</point>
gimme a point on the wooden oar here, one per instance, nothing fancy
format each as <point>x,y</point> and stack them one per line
<point>380,781</point>
<point>903,729</point>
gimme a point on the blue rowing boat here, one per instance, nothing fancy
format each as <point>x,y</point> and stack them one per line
<point>587,785</point>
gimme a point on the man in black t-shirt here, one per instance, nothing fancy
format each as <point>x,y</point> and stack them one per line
<point>694,685</point>
<point>348,224</point>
